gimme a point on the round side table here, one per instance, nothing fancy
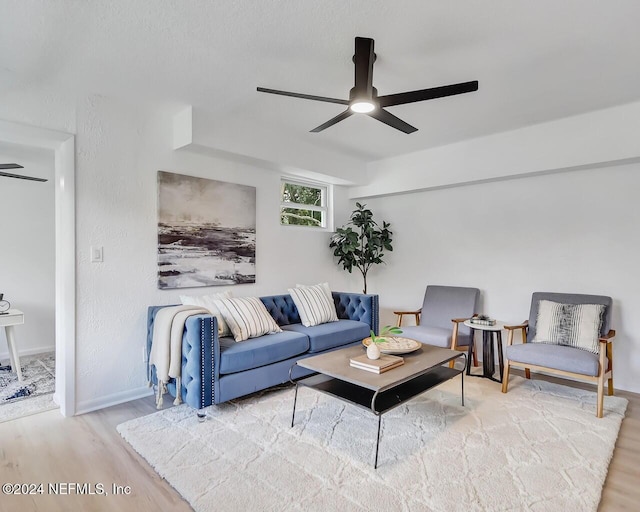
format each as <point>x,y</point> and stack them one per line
<point>489,334</point>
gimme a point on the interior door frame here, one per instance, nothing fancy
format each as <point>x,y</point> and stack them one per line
<point>63,147</point>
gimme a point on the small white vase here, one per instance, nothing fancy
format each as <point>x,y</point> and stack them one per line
<point>373,351</point>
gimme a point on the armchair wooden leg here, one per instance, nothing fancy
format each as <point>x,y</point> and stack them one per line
<point>505,377</point>
<point>600,405</point>
<point>610,368</point>
<point>527,373</point>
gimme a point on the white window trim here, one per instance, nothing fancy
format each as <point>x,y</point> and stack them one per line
<point>327,202</point>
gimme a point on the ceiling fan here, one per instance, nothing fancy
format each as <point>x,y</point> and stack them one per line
<point>364,99</point>
<point>19,176</point>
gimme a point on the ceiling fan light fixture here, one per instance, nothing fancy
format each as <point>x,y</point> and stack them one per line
<point>362,106</point>
<point>363,96</point>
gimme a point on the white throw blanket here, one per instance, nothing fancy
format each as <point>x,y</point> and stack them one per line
<point>166,347</point>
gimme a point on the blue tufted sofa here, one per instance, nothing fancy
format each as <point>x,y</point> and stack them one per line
<point>215,369</point>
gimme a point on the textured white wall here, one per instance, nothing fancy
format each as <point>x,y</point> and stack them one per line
<point>27,250</point>
<point>565,232</point>
<point>568,232</point>
<point>120,149</point>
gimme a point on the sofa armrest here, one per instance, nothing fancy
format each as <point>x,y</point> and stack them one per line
<point>357,306</point>
<point>200,358</point>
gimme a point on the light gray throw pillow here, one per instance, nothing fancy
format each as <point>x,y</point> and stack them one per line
<point>574,325</point>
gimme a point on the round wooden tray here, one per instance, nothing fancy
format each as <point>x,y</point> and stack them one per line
<point>395,345</point>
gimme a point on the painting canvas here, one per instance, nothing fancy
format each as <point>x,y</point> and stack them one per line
<point>206,232</point>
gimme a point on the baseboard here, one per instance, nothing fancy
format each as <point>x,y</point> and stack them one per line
<point>115,399</point>
<point>29,351</point>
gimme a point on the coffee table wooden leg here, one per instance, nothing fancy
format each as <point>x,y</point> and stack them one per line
<point>375,464</point>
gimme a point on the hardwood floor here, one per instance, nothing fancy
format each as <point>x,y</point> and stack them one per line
<point>47,448</point>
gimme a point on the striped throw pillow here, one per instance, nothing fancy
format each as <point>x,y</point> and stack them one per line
<point>247,317</point>
<point>574,325</point>
<point>315,304</point>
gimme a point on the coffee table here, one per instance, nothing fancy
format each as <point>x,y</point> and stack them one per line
<point>379,393</point>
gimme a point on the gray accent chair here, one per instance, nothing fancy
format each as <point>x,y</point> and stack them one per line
<point>440,320</point>
<point>559,359</point>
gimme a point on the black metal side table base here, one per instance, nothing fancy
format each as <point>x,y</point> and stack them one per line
<point>488,362</point>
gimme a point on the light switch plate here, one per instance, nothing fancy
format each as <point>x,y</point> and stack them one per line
<point>96,254</point>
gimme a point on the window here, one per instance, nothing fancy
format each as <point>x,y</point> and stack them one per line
<point>303,204</point>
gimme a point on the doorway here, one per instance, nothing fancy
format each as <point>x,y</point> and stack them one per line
<point>61,148</point>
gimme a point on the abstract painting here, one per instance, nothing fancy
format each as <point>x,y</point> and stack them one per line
<point>206,232</point>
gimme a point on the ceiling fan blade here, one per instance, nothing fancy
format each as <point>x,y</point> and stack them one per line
<point>304,96</point>
<point>363,60</point>
<point>427,94</point>
<point>11,166</point>
<point>19,176</point>
<point>331,122</point>
<point>393,121</point>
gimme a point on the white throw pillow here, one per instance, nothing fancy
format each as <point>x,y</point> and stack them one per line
<point>208,302</point>
<point>247,317</point>
<point>574,325</point>
<point>315,304</point>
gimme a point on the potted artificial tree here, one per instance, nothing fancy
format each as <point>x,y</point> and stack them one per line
<point>361,242</point>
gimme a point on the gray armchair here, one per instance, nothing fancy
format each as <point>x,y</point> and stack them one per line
<point>563,360</point>
<point>440,321</point>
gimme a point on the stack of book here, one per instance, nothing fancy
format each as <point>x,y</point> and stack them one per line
<point>482,321</point>
<point>384,364</point>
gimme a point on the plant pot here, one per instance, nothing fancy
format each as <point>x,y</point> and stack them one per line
<point>373,351</point>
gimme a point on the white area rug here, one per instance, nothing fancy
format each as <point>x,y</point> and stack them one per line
<point>32,395</point>
<point>539,448</point>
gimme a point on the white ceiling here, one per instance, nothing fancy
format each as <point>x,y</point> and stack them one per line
<point>535,61</point>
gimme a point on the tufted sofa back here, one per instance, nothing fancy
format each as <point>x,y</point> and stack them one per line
<point>282,309</point>
<point>349,306</point>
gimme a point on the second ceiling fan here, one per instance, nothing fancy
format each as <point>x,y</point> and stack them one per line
<point>364,99</point>
<point>4,167</point>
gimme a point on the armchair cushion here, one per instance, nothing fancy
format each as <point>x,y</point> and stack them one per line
<point>573,325</point>
<point>556,357</point>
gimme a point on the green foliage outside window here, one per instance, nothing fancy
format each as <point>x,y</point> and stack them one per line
<point>299,196</point>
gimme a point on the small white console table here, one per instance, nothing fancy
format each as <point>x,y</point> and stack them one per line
<point>8,320</point>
